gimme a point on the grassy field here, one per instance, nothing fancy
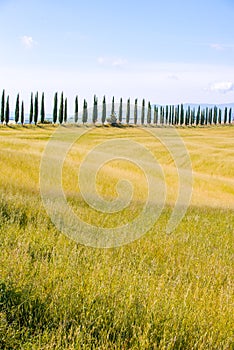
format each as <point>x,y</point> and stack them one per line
<point>159,292</point>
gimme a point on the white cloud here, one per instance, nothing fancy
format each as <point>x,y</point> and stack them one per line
<point>173,77</point>
<point>114,62</point>
<point>119,62</point>
<point>223,86</point>
<point>217,47</point>
<point>28,41</point>
<point>221,47</point>
<point>101,60</point>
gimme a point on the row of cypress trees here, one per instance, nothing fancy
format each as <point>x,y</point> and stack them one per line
<point>161,115</point>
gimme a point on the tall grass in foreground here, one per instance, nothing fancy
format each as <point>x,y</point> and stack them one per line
<point>160,292</point>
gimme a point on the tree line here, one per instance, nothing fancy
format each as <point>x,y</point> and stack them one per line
<point>156,115</point>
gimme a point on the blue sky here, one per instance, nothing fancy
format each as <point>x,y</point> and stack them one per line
<point>165,51</point>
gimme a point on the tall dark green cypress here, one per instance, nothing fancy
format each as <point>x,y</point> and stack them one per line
<point>215,115</point>
<point>76,110</point>
<point>65,110</point>
<point>36,109</point>
<point>17,110</point>
<point>135,112</point>
<point>178,115</point>
<point>162,113</point>
<point>55,110</point>
<point>230,116</point>
<point>95,109</point>
<point>3,107</point>
<point>220,117</point>
<point>167,114</point>
<point>85,112</point>
<point>149,116</point>
<point>210,116</point>
<point>198,118</point>
<point>22,113</point>
<point>202,117</point>
<point>7,111</point>
<point>103,110</point>
<point>61,109</point>
<point>155,115</point>
<point>225,115</point>
<point>43,108</point>
<point>121,110</point>
<point>181,114</point>
<point>31,110</point>
<point>192,117</point>
<point>186,118</point>
<point>207,115</point>
<point>128,112</point>
<point>189,115</point>
<point>173,115</point>
<point>113,106</point>
<point>143,112</point>
<point>170,114</point>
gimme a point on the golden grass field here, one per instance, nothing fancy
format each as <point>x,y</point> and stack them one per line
<point>159,292</point>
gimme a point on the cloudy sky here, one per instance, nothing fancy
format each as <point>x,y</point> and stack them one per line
<point>171,51</point>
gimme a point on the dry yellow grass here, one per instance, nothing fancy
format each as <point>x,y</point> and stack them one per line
<point>159,292</point>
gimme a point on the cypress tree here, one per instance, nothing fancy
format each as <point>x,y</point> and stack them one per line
<point>192,117</point>
<point>95,109</point>
<point>198,115</point>
<point>3,107</point>
<point>215,115</point>
<point>167,114</point>
<point>170,114</point>
<point>42,108</point>
<point>225,115</point>
<point>76,109</point>
<point>207,115</point>
<point>113,106</point>
<point>220,117</point>
<point>128,112</point>
<point>210,116</point>
<point>143,112</point>
<point>155,115</point>
<point>103,110</point>
<point>31,110</point>
<point>65,110</point>
<point>189,115</point>
<point>202,117</point>
<point>36,109</point>
<point>178,115</point>
<point>186,118</point>
<point>120,110</point>
<point>230,116</point>
<point>173,115</point>
<point>181,114</point>
<point>55,110</point>
<point>22,113</point>
<point>61,109</point>
<point>7,111</point>
<point>17,111</point>
<point>85,112</point>
<point>149,114</point>
<point>162,115</point>
<point>135,112</point>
